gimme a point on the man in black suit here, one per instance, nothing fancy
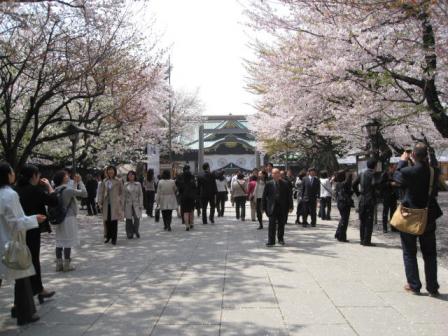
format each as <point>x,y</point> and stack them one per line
<point>277,201</point>
<point>310,194</point>
<point>369,183</point>
<point>415,183</point>
<point>207,192</point>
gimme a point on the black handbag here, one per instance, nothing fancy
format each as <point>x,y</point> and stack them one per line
<point>157,215</point>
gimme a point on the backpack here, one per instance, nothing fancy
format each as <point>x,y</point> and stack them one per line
<point>57,213</point>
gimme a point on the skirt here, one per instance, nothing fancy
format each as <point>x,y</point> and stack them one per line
<point>67,233</point>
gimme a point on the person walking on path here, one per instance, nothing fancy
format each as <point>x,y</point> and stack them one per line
<point>239,195</point>
<point>13,220</point>
<point>149,184</point>
<point>310,194</point>
<point>166,198</point>
<point>35,194</point>
<point>277,202</point>
<point>389,195</point>
<point>111,201</point>
<point>251,196</point>
<point>365,187</point>
<point>67,235</point>
<point>299,192</point>
<point>222,193</point>
<point>325,196</point>
<point>258,194</point>
<point>207,192</point>
<point>343,193</point>
<point>188,192</point>
<point>133,205</point>
<point>418,193</point>
<point>92,188</point>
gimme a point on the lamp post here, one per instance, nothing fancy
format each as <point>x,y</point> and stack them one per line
<point>73,134</point>
<point>373,130</point>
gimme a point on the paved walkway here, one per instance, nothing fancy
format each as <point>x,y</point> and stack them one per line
<point>221,280</point>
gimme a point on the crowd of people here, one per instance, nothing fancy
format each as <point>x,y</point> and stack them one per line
<point>32,203</point>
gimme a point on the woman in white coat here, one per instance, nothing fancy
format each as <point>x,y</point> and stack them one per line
<point>166,198</point>
<point>133,205</point>
<point>13,219</point>
<point>67,232</point>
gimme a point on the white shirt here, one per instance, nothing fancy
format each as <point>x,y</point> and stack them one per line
<point>325,187</point>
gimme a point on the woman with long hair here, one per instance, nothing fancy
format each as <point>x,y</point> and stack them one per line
<point>35,194</point>
<point>149,184</point>
<point>110,199</point>
<point>188,194</point>
<point>133,205</point>
<point>344,192</point>
<point>13,220</point>
<point>67,235</point>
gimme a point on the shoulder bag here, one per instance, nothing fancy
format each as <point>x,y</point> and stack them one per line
<point>413,221</point>
<point>17,255</point>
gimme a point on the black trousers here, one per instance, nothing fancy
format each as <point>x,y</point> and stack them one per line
<point>309,209</point>
<point>325,207</point>
<point>389,207</point>
<point>366,210</point>
<point>204,203</point>
<point>167,216</point>
<point>112,227</point>
<point>91,205</point>
<point>429,252</point>
<point>33,243</point>
<point>260,211</point>
<point>300,208</point>
<point>221,202</point>
<point>23,300</point>
<point>240,207</point>
<point>341,232</point>
<point>277,224</point>
<point>150,196</point>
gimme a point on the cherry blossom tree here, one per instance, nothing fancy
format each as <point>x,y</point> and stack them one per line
<point>330,66</point>
<point>62,65</point>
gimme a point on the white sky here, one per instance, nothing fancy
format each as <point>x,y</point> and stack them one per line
<point>209,43</point>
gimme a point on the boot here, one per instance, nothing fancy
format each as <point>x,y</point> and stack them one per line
<point>67,266</point>
<point>59,266</point>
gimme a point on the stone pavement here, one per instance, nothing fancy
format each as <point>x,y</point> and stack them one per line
<point>221,280</point>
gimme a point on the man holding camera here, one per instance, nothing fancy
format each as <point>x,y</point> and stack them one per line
<point>415,183</point>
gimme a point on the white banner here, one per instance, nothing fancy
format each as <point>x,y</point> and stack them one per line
<point>154,158</point>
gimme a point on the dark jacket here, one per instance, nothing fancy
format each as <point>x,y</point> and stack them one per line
<point>366,185</point>
<point>310,189</point>
<point>343,192</point>
<point>34,199</point>
<point>389,193</point>
<point>414,181</point>
<point>92,187</point>
<point>284,197</point>
<point>207,185</point>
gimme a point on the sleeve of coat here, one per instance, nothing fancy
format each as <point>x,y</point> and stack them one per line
<point>15,217</point>
<point>140,196</point>
<point>290,200</point>
<point>99,196</point>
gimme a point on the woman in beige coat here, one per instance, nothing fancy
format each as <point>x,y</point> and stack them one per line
<point>133,205</point>
<point>166,198</point>
<point>110,199</point>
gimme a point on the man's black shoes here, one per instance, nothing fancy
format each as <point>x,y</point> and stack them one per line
<point>269,244</point>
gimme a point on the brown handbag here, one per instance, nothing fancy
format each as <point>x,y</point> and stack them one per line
<point>413,221</point>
